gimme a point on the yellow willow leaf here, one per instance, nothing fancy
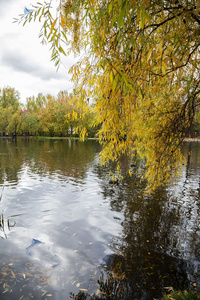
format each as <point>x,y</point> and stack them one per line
<point>149,54</point>
<point>164,67</point>
<point>170,48</point>
<point>53,25</point>
<point>103,34</point>
<point>111,77</point>
<point>62,20</point>
<point>55,32</point>
<point>141,25</point>
<point>110,6</point>
<point>160,47</point>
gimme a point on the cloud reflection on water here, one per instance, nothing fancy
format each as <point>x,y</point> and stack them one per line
<point>60,196</point>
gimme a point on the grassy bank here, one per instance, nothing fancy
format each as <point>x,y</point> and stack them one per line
<point>182,295</point>
<point>60,138</point>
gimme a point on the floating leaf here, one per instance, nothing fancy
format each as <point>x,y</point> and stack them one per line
<point>4,273</point>
<point>194,284</point>
<point>13,274</point>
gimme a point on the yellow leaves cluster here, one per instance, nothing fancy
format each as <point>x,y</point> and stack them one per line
<point>139,93</point>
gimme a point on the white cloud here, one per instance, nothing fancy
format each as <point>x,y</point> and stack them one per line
<point>24,62</point>
<point>18,61</point>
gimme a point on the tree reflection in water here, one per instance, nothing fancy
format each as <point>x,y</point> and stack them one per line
<point>139,275</point>
<point>158,242</point>
<point>45,158</point>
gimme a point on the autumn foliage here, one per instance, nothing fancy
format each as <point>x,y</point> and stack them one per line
<point>44,115</point>
<point>140,66</point>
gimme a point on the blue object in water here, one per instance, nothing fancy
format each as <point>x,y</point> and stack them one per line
<point>33,243</point>
<point>41,252</point>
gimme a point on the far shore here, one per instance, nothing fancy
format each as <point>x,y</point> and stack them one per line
<point>47,137</point>
<point>186,139</point>
<point>194,139</point>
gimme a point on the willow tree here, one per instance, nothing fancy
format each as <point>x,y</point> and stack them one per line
<point>140,66</point>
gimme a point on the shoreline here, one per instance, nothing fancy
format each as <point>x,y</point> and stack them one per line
<point>187,139</point>
<point>46,138</point>
<point>197,139</point>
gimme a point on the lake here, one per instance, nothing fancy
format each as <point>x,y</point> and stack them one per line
<point>66,233</point>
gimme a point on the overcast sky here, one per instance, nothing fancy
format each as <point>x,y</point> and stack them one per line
<point>24,62</point>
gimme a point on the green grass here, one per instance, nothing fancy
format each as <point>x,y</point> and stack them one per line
<point>55,138</point>
<point>182,295</point>
<point>61,138</point>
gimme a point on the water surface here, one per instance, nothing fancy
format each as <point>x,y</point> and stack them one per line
<point>67,233</point>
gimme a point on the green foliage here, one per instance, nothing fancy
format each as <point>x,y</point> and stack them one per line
<point>9,97</point>
<point>59,116</point>
<point>34,104</point>
<point>9,109</point>
<point>29,123</point>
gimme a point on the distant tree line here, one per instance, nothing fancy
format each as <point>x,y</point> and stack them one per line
<point>45,115</point>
